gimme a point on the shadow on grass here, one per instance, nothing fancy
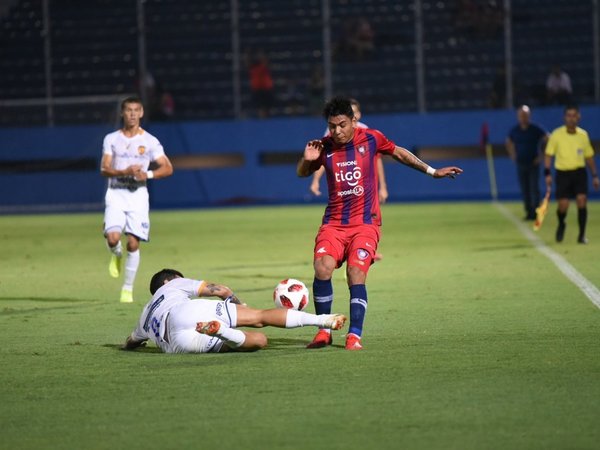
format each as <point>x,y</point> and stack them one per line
<point>143,349</point>
<point>274,344</point>
<point>283,343</point>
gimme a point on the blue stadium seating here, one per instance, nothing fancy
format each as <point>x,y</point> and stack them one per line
<point>189,53</point>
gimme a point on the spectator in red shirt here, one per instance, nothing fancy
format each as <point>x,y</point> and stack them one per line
<point>261,84</point>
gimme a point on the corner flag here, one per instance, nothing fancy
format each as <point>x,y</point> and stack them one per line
<point>541,212</point>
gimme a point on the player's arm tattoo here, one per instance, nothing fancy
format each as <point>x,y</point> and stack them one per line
<point>233,299</point>
<point>216,290</point>
<point>409,159</point>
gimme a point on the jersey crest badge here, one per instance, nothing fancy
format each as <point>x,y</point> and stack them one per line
<point>141,149</point>
<point>362,254</point>
<point>361,150</point>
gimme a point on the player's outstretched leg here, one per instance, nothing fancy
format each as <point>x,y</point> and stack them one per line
<point>286,318</point>
<point>236,340</point>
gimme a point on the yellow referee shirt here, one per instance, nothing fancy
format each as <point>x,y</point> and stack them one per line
<point>569,150</point>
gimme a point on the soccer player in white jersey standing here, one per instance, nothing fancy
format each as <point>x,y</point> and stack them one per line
<point>126,157</point>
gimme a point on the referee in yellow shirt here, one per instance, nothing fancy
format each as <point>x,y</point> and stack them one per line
<point>571,148</point>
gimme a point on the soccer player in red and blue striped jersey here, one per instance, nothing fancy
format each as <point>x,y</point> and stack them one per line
<point>350,228</point>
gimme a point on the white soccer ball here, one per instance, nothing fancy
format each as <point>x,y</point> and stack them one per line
<point>291,294</point>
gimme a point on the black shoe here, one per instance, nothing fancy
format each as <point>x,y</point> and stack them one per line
<point>582,240</point>
<point>560,232</point>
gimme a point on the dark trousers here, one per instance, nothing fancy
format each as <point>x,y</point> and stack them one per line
<point>529,179</point>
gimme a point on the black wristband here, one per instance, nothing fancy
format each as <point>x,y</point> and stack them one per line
<point>546,172</point>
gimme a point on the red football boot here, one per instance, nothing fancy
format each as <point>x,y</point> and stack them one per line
<point>353,342</point>
<point>322,339</point>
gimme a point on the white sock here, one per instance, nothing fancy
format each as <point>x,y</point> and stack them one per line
<point>131,267</point>
<point>295,319</point>
<point>232,337</point>
<point>117,249</point>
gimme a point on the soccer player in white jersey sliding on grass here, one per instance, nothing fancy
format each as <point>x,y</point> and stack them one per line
<point>126,157</point>
<point>178,321</point>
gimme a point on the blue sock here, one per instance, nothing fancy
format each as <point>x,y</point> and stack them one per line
<point>323,296</point>
<point>358,308</point>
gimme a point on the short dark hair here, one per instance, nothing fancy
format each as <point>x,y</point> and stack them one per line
<point>571,106</point>
<point>159,278</point>
<point>128,100</point>
<point>338,106</point>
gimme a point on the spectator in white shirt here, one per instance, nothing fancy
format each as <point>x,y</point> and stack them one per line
<point>558,86</point>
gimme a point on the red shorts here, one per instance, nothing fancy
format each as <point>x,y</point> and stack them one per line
<point>356,244</point>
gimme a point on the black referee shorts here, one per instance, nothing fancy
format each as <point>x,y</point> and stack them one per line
<point>570,183</point>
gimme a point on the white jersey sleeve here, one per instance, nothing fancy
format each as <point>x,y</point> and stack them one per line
<point>107,145</point>
<point>156,148</point>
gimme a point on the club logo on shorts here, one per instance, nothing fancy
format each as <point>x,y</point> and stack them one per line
<point>362,254</point>
<point>141,149</point>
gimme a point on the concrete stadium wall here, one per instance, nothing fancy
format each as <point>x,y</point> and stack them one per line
<point>254,181</point>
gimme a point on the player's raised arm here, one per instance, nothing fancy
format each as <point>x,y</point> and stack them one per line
<point>409,159</point>
<point>312,151</point>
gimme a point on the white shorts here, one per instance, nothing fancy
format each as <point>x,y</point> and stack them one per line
<point>127,211</point>
<point>181,325</point>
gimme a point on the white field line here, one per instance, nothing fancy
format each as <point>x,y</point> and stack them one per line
<point>584,285</point>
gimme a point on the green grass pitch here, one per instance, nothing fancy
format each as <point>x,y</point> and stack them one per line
<point>473,339</point>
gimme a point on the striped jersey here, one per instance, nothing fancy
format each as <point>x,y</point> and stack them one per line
<point>352,179</point>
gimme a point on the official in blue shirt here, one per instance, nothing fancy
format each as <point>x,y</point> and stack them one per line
<point>524,145</point>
